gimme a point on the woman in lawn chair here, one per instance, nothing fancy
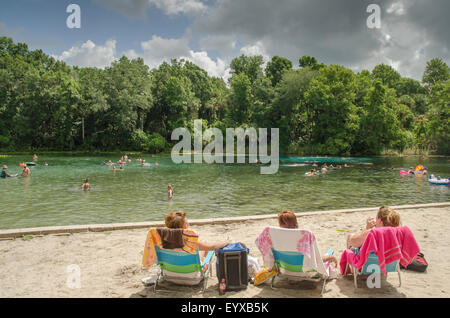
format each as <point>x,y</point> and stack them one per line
<point>386,216</point>
<point>293,252</point>
<point>175,250</point>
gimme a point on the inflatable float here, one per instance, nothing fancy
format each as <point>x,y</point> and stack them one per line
<point>439,181</point>
<point>403,172</point>
<point>31,164</point>
<point>122,163</point>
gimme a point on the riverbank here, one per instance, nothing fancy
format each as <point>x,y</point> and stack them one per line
<point>110,261</point>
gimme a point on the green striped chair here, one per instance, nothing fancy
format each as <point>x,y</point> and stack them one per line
<point>183,268</point>
<point>367,268</point>
<point>290,264</point>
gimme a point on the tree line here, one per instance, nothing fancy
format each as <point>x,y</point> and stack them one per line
<point>320,109</point>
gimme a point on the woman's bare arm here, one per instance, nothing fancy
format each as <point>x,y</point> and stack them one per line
<point>203,246</point>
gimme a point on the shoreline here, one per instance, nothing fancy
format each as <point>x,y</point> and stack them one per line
<point>70,229</point>
<point>109,262</point>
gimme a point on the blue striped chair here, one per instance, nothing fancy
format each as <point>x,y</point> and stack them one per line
<point>290,265</point>
<point>183,268</point>
<point>373,260</point>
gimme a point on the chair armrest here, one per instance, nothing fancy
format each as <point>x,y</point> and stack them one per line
<point>208,258</point>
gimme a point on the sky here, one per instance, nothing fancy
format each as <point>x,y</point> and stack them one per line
<point>211,33</point>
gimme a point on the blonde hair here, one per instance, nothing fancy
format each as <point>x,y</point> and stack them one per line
<point>388,216</point>
<point>175,220</point>
<point>287,219</point>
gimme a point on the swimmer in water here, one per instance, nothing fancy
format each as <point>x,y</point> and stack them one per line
<point>156,164</point>
<point>25,171</point>
<point>45,164</point>
<point>170,192</point>
<point>311,173</point>
<point>86,186</point>
<point>411,171</point>
<point>35,158</point>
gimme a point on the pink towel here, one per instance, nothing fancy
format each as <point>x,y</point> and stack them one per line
<point>388,243</point>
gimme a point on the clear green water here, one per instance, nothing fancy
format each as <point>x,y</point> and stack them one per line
<point>136,194</point>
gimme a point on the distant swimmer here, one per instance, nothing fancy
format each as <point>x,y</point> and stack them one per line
<point>170,192</point>
<point>114,168</point>
<point>35,158</point>
<point>25,171</point>
<point>45,164</point>
<point>86,186</point>
<point>311,173</point>
<point>411,171</point>
<point>156,164</point>
<point>5,174</point>
<point>109,163</point>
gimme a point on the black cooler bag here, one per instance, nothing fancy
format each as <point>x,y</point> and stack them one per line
<point>231,264</point>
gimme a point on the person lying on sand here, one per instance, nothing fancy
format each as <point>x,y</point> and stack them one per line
<point>386,216</point>
<point>288,220</point>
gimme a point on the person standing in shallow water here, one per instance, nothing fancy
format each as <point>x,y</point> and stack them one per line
<point>170,192</point>
<point>86,186</point>
<point>25,171</point>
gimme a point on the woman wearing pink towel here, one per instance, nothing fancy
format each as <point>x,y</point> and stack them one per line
<point>386,216</point>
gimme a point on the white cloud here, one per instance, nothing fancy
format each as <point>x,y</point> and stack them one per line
<point>222,43</point>
<point>174,7</point>
<point>397,8</point>
<point>214,68</point>
<point>90,55</point>
<point>159,50</point>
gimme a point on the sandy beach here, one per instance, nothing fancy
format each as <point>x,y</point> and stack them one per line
<point>110,262</point>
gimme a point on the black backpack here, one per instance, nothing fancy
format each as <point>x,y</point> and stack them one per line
<point>419,264</point>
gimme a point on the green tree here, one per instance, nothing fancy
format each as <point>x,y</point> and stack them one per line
<point>276,68</point>
<point>435,71</point>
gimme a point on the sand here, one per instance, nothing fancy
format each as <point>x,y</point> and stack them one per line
<point>110,262</point>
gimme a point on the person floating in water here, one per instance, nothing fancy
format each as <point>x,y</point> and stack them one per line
<point>5,174</point>
<point>86,186</point>
<point>311,173</point>
<point>170,192</point>
<point>25,171</point>
<point>411,171</point>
